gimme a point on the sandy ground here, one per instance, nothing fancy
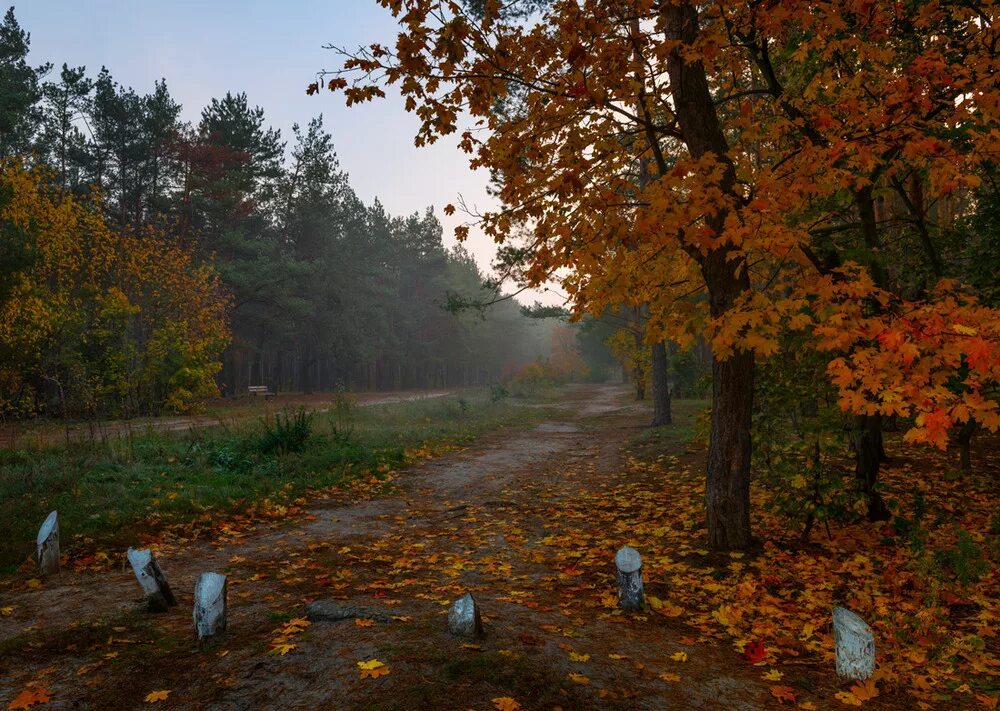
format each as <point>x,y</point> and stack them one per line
<point>463,522</point>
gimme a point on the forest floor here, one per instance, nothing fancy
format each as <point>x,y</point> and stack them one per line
<point>528,520</point>
<point>218,412</point>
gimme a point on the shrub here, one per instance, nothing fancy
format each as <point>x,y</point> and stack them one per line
<point>286,433</point>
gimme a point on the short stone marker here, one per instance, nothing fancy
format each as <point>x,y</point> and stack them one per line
<point>628,564</point>
<point>328,611</point>
<point>47,545</point>
<point>210,605</point>
<point>463,618</point>
<point>855,645</point>
<point>154,584</point>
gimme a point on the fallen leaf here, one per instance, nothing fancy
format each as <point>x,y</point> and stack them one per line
<point>783,694</point>
<point>865,690</point>
<point>153,696</point>
<point>29,697</point>
<point>281,649</point>
<point>679,656</point>
<point>372,669</point>
<point>505,703</point>
<point>360,622</point>
<point>669,676</point>
<point>772,675</point>
<point>579,678</point>
<point>574,657</point>
<point>754,652</point>
<point>846,697</point>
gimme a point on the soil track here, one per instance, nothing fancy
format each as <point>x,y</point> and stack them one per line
<point>459,523</point>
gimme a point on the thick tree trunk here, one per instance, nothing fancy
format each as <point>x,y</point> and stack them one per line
<point>661,387</point>
<point>727,491</point>
<point>866,439</point>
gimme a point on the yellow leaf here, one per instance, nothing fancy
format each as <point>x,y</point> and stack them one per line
<point>372,669</point>
<point>153,696</point>
<point>505,703</point>
<point>846,697</point>
<point>579,678</point>
<point>669,676</point>
<point>574,657</point>
<point>281,649</point>
<point>7,611</point>
<point>772,675</point>
<point>679,656</point>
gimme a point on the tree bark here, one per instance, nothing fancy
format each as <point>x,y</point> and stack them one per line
<point>661,387</point>
<point>727,490</point>
<point>866,439</point>
<point>965,445</point>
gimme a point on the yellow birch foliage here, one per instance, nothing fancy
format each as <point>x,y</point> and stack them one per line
<point>103,322</point>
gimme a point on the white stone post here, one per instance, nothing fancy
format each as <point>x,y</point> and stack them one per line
<point>151,579</point>
<point>855,645</point>
<point>47,545</point>
<point>464,619</point>
<point>210,605</point>
<point>628,564</point>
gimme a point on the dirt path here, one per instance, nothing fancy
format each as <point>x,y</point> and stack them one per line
<point>481,520</point>
<point>226,412</point>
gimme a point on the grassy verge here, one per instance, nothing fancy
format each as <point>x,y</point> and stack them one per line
<point>689,424</point>
<point>104,492</point>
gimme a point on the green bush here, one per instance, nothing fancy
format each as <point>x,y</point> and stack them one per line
<point>286,433</point>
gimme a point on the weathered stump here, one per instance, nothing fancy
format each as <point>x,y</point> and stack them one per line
<point>151,579</point>
<point>855,645</point>
<point>210,605</point>
<point>464,619</point>
<point>628,564</point>
<point>47,545</point>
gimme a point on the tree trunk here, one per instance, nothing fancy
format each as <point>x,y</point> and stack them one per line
<point>866,439</point>
<point>965,445</point>
<point>727,490</point>
<point>661,387</point>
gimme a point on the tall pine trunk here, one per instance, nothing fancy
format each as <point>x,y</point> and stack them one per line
<point>661,387</point>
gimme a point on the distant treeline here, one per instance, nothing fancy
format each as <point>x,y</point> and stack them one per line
<point>316,288</point>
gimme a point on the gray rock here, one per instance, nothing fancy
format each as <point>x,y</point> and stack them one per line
<point>47,545</point>
<point>210,605</point>
<point>463,618</point>
<point>855,645</point>
<point>329,611</point>
<point>151,579</point>
<point>628,566</point>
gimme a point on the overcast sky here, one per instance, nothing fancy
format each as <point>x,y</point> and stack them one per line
<point>271,49</point>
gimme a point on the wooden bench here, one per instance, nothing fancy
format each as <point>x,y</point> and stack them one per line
<point>256,390</point>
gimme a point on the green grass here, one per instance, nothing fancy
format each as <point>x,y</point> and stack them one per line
<point>106,493</point>
<point>686,428</point>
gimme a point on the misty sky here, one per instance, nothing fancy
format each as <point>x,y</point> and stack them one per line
<point>271,50</point>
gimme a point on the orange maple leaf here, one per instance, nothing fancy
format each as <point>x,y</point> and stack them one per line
<point>865,690</point>
<point>505,703</point>
<point>783,694</point>
<point>29,697</point>
<point>153,696</point>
